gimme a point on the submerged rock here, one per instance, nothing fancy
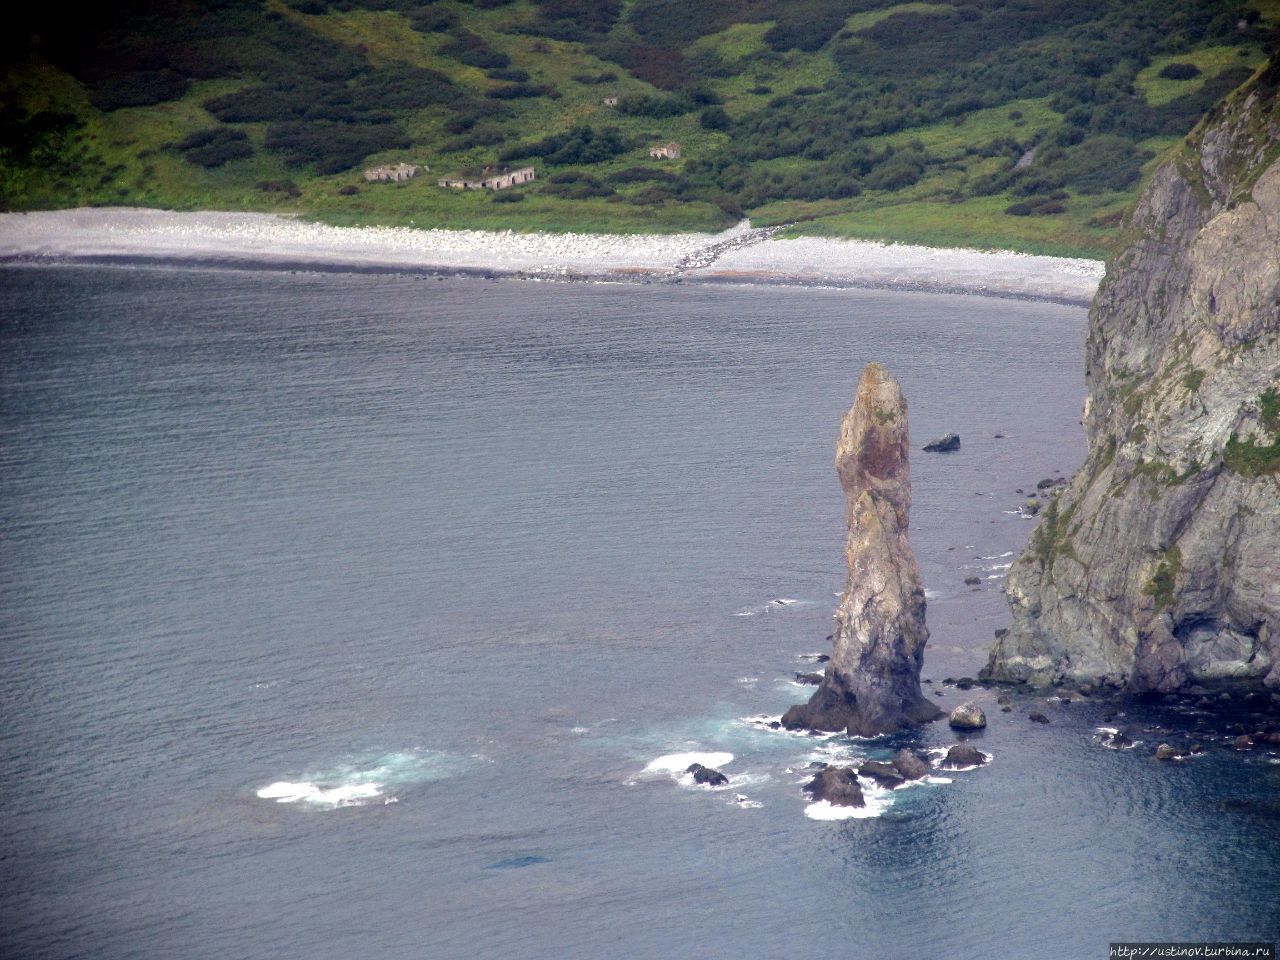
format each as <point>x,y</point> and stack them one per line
<point>838,786</point>
<point>944,444</point>
<point>963,755</point>
<point>1037,718</point>
<point>968,716</point>
<point>872,683</point>
<point>707,776</point>
<point>1155,566</point>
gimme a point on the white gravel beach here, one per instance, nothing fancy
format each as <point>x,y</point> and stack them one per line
<point>739,255</point>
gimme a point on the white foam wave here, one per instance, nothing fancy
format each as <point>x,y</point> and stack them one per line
<point>346,795</point>
<point>352,785</point>
<point>680,762</point>
<point>776,604</point>
<point>876,803</point>
<point>998,556</point>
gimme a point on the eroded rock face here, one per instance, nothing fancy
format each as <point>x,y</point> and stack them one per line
<point>872,681</point>
<point>1158,565</point>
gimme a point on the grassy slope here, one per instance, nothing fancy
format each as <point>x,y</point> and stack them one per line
<point>128,160</point>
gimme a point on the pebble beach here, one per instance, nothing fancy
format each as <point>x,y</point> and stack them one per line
<point>738,255</point>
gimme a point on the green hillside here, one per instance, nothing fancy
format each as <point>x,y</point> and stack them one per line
<point>1012,123</point>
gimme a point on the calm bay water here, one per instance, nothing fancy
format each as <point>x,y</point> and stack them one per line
<point>441,566</point>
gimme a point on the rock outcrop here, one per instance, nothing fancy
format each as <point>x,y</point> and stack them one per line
<point>968,716</point>
<point>872,681</point>
<point>1158,565</point>
<point>948,444</point>
<point>837,786</point>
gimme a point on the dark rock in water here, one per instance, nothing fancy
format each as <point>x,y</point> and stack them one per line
<point>872,685</point>
<point>838,786</point>
<point>911,766</point>
<point>943,444</point>
<point>1116,741</point>
<point>824,657</point>
<point>1167,751</point>
<point>775,725</point>
<point>885,774</point>
<point>1006,709</point>
<point>972,581</point>
<point>810,678</point>
<point>1003,701</point>
<point>1243,742</point>
<point>967,716</point>
<point>963,755</point>
<point>966,683</point>
<point>1037,718</point>
<point>707,776</point>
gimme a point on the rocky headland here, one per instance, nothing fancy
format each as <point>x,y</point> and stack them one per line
<point>1158,566</point>
<point>871,685</point>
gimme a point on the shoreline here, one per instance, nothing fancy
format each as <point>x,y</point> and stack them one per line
<point>130,236</point>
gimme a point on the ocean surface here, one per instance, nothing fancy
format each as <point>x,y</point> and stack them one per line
<point>353,616</point>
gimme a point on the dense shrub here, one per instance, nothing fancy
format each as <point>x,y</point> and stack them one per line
<point>215,146</point>
<point>331,147</point>
<point>657,107</point>
<point>806,26</point>
<point>1180,71</point>
<point>714,118</point>
<point>518,91</point>
<point>141,88</point>
<point>470,48</point>
<point>579,18</point>
<point>577,146</point>
<point>508,196</point>
<point>510,75</point>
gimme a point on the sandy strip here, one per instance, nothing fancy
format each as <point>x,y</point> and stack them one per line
<point>738,255</point>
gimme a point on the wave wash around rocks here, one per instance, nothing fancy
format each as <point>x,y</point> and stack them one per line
<point>872,682</point>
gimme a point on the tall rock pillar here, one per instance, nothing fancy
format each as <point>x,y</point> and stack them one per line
<point>872,682</point>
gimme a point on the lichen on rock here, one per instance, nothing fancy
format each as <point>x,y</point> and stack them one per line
<point>872,681</point>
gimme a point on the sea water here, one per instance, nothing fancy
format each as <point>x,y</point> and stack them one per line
<point>380,616</point>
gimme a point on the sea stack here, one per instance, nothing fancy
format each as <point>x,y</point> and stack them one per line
<point>872,682</point>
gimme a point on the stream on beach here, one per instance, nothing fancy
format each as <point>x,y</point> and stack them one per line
<point>353,615</point>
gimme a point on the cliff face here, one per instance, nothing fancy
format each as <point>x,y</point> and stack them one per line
<point>1159,564</point>
<point>872,682</point>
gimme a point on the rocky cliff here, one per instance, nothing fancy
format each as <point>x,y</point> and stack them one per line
<point>1159,564</point>
<point>872,682</point>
